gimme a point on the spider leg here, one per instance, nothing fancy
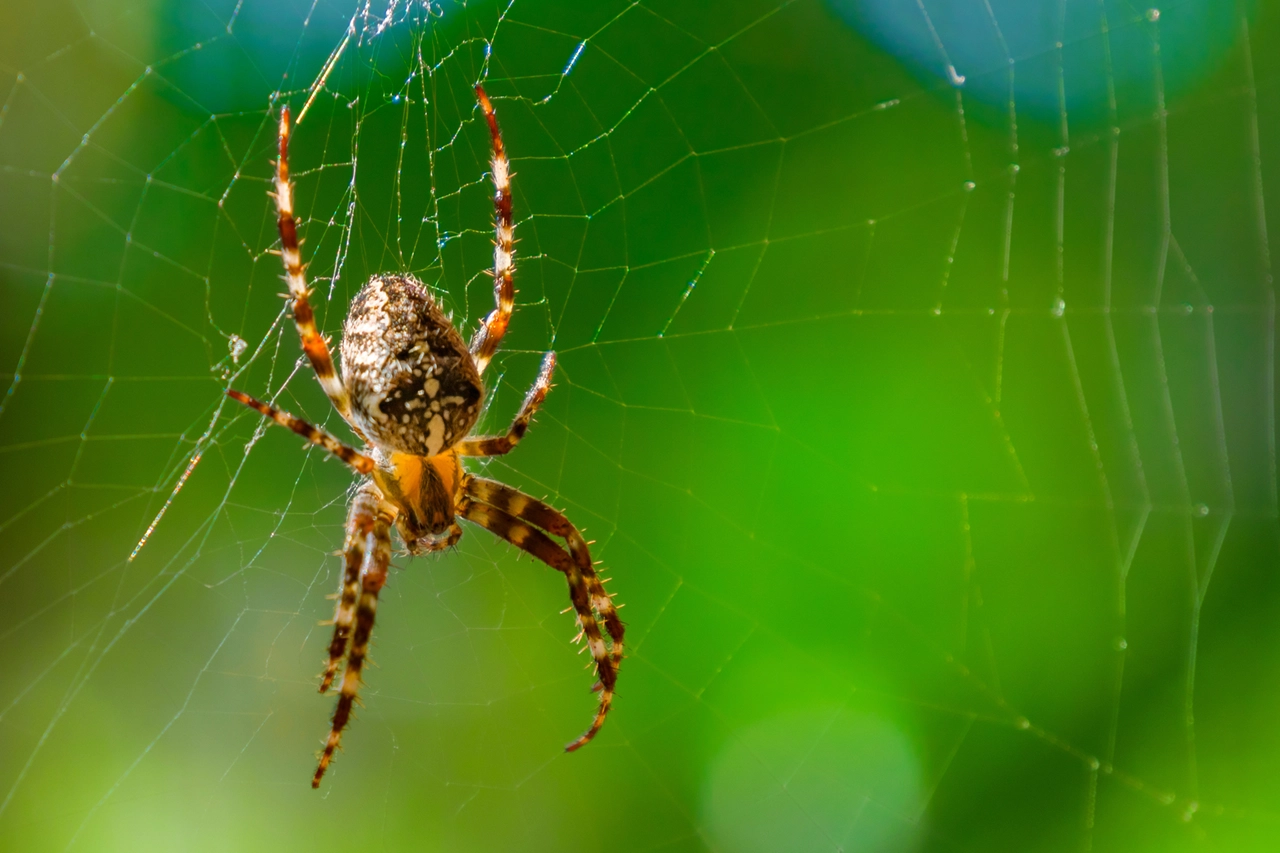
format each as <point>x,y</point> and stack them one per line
<point>312,341</point>
<point>516,517</point>
<point>496,445</point>
<point>373,574</point>
<point>346,453</point>
<point>489,335</point>
<point>360,523</point>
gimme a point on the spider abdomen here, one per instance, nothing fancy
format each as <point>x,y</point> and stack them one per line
<point>414,386</point>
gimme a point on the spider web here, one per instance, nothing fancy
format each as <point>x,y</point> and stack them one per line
<point>916,385</point>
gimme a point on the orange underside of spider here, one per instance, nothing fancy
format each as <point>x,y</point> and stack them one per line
<point>411,391</point>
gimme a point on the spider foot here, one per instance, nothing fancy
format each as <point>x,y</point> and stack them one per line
<point>606,700</point>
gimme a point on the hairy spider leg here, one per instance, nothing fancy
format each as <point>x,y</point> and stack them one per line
<point>312,341</point>
<point>361,519</point>
<point>489,336</point>
<point>373,574</point>
<point>497,445</point>
<point>541,515</point>
<point>316,436</point>
<point>516,517</point>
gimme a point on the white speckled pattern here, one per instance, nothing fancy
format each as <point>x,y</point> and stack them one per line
<point>413,384</point>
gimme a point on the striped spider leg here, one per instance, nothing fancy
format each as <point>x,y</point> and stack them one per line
<point>313,343</point>
<point>524,522</point>
<point>489,336</point>
<point>368,546</point>
<point>366,558</point>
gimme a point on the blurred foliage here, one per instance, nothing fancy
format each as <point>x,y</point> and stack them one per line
<point>930,443</point>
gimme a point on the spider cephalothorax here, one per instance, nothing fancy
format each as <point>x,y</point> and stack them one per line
<point>411,390</point>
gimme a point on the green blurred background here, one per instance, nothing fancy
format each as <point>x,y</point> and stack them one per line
<point>917,384</point>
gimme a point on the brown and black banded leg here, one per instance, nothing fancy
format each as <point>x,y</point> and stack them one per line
<point>312,341</point>
<point>319,437</point>
<point>361,519</point>
<point>373,574</point>
<point>496,445</point>
<point>516,517</point>
<point>489,336</point>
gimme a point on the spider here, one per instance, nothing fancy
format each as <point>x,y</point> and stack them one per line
<point>411,390</point>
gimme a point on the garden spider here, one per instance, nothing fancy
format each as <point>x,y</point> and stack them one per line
<point>411,390</point>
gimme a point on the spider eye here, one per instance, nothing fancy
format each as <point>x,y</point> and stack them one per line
<point>404,354</point>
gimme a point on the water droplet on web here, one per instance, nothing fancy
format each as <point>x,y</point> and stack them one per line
<point>1023,723</point>
<point>237,345</point>
<point>1201,509</point>
<point>1059,307</point>
<point>969,185</point>
<point>937,36</point>
<point>1121,644</point>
